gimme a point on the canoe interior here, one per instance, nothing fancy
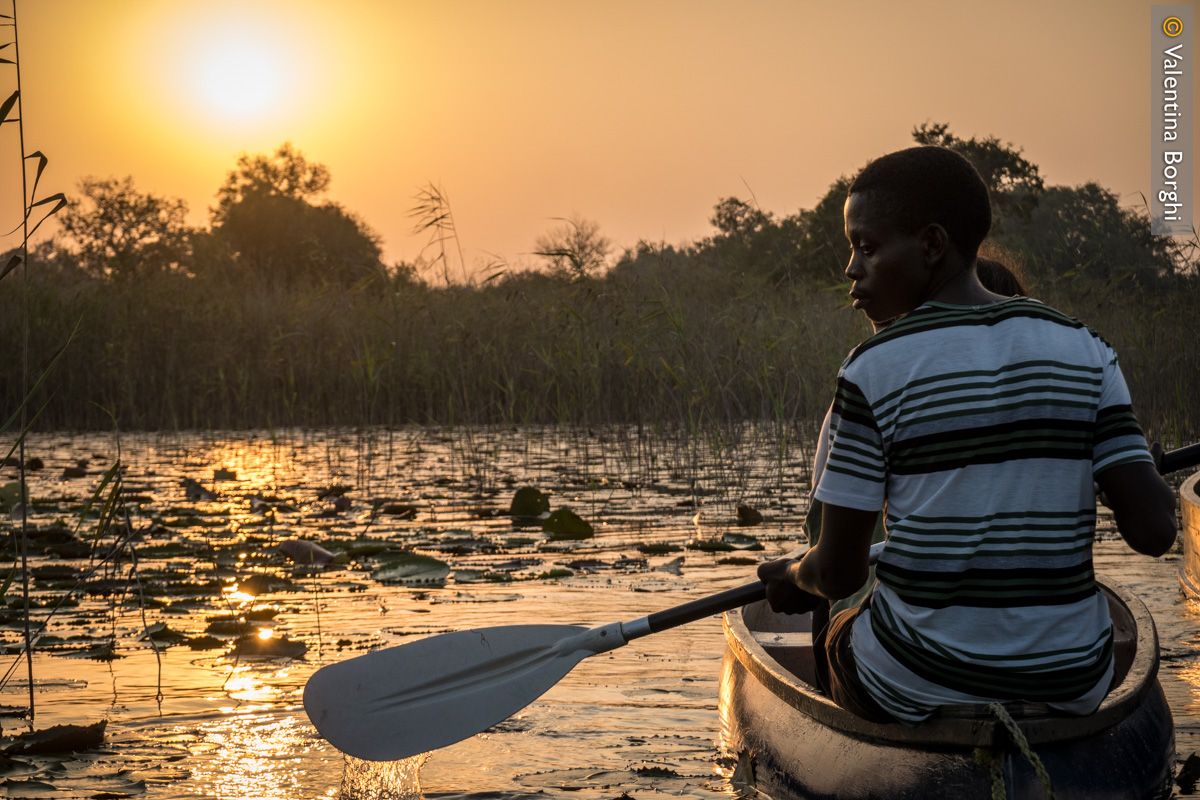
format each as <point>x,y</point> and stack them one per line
<point>806,747</point>
<point>787,640</point>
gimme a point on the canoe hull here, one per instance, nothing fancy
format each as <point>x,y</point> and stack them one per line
<point>1189,507</point>
<point>794,744</point>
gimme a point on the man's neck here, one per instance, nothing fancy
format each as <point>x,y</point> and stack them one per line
<point>962,288</point>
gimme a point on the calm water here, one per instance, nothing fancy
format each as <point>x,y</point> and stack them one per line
<point>184,722</point>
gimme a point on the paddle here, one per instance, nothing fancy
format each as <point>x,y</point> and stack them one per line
<point>1179,459</point>
<point>401,701</point>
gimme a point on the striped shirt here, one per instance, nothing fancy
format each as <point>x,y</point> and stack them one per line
<point>981,429</point>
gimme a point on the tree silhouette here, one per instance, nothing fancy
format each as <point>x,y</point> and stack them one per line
<point>574,249</point>
<point>123,233</point>
<point>287,173</point>
<point>269,221</point>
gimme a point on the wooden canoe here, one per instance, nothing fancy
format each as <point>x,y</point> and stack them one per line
<point>792,742</point>
<point>1189,506</point>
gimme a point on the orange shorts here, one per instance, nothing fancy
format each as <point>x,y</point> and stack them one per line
<point>836,671</point>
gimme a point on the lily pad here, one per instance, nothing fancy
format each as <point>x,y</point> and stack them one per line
<point>305,552</point>
<point>658,548</point>
<point>10,494</point>
<point>60,739</point>
<point>709,545</point>
<point>741,541</point>
<point>205,643</point>
<point>105,652</point>
<point>368,549</point>
<point>161,634</point>
<point>401,510</point>
<point>254,646</point>
<point>748,517</point>
<point>257,583</point>
<point>412,568</point>
<point>565,524</point>
<point>529,502</point>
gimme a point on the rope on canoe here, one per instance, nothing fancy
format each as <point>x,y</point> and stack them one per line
<point>994,761</point>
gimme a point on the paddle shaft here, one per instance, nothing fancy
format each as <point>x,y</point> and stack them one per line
<point>697,609</point>
<point>1179,459</point>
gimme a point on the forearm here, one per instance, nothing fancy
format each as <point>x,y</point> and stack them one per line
<point>1143,507</point>
<point>814,573</point>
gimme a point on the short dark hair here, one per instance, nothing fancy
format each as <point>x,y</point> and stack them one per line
<point>925,185</point>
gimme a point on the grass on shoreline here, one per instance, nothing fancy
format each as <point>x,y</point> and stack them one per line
<point>659,342</point>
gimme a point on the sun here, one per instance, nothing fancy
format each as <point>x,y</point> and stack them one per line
<point>239,79</point>
<point>221,65</point>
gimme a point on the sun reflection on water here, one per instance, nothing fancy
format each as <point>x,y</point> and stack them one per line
<point>248,686</point>
<point>255,756</point>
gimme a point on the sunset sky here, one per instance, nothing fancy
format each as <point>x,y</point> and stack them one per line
<point>637,115</point>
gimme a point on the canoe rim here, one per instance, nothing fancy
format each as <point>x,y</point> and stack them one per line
<point>966,725</point>
<point>1189,492</point>
<point>1189,507</point>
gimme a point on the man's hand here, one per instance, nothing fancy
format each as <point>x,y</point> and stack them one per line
<point>783,595</point>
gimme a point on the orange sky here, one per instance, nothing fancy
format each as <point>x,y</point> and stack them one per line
<point>638,115</point>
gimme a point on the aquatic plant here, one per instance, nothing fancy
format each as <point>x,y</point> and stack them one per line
<point>12,112</point>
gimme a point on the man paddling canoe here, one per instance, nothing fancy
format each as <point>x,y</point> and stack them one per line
<point>980,423</point>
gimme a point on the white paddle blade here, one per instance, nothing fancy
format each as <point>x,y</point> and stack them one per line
<point>412,698</point>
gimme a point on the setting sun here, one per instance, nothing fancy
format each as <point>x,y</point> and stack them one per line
<point>240,79</point>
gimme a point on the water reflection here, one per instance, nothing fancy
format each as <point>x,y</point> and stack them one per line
<point>254,756</point>
<point>246,686</point>
<point>224,719</point>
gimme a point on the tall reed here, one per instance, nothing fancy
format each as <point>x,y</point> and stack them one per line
<point>656,343</point>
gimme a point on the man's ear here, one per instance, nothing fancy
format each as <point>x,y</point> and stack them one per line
<point>935,242</point>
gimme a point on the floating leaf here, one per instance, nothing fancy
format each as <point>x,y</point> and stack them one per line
<point>747,516</point>
<point>658,548</point>
<point>230,626</point>
<point>205,643</point>
<point>401,510</point>
<point>255,646</point>
<point>256,584</point>
<point>709,545</point>
<point>740,541</point>
<point>61,739</point>
<point>305,552</point>
<point>529,502</point>
<point>412,568</point>
<point>159,632</point>
<point>566,524</point>
<point>368,549</point>
<point>10,495</point>
<point>195,491</point>
<point>30,788</point>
